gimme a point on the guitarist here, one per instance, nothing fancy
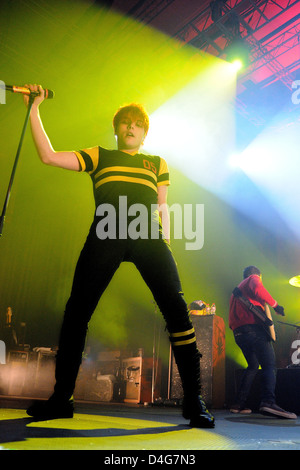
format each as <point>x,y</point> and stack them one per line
<point>256,345</point>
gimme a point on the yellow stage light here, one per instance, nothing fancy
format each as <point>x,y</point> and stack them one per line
<point>295,281</point>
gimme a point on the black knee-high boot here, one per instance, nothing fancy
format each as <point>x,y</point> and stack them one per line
<point>187,358</point>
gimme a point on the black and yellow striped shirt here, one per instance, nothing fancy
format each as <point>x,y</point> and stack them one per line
<point>115,173</point>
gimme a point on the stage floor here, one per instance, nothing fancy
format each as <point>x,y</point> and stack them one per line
<point>117,429</point>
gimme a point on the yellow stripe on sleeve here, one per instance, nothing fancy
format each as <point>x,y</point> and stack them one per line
<point>81,160</point>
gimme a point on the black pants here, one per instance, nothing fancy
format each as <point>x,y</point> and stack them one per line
<point>258,351</point>
<point>96,266</point>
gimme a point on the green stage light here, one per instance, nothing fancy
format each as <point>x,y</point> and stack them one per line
<point>237,64</point>
<point>238,53</point>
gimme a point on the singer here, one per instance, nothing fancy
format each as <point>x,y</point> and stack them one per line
<point>143,179</point>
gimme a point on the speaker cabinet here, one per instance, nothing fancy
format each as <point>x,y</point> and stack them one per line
<point>210,336</point>
<point>17,363</point>
<point>45,373</point>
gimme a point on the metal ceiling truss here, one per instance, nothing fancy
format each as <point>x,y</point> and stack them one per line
<point>220,24</point>
<point>269,28</point>
<point>150,11</point>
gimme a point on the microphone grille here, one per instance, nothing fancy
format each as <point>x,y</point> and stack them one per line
<point>49,94</point>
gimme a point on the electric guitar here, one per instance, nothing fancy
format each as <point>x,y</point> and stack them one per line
<point>264,315</point>
<point>271,328</point>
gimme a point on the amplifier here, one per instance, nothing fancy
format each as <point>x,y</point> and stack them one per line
<point>142,382</point>
<point>92,384</point>
<point>18,373</point>
<point>99,388</point>
<point>45,373</point>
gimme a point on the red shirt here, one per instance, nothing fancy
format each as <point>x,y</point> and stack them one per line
<point>252,288</point>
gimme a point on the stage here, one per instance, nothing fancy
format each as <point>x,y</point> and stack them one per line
<point>141,432</point>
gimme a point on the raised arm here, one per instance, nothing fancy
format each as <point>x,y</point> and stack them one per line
<point>47,154</point>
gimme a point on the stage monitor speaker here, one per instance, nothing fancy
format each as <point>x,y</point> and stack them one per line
<point>210,336</point>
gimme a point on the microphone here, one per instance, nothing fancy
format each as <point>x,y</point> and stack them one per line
<point>26,91</point>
